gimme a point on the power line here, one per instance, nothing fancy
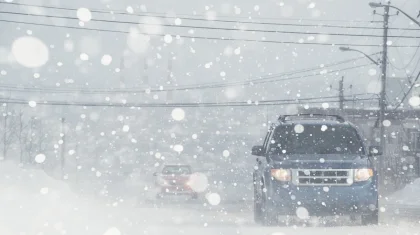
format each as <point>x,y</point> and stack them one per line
<point>408,64</point>
<point>162,15</point>
<point>259,78</point>
<point>194,18</point>
<point>207,38</point>
<point>171,105</point>
<point>408,80</point>
<point>207,28</point>
<point>408,92</point>
<point>210,86</point>
<point>229,102</point>
<point>294,72</point>
<point>413,83</point>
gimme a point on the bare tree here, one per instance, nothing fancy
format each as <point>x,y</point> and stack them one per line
<point>41,137</point>
<point>8,130</point>
<point>21,135</point>
<point>29,146</point>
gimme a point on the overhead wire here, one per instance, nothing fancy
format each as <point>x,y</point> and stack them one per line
<point>205,37</point>
<point>163,15</point>
<point>202,37</point>
<point>210,86</point>
<point>408,92</point>
<point>170,105</point>
<point>408,64</point>
<point>194,17</point>
<point>206,27</point>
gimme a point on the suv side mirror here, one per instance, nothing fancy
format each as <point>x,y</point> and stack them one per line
<point>375,151</point>
<point>257,150</point>
<point>155,174</point>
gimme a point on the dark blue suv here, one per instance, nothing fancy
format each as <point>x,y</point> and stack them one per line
<point>314,165</point>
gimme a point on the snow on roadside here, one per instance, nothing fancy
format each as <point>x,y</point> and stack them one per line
<point>31,202</point>
<point>409,195</point>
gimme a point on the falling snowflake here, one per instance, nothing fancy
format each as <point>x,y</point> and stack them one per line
<point>299,128</point>
<point>178,148</point>
<point>44,190</point>
<point>84,56</point>
<point>198,182</point>
<point>106,60</point>
<point>168,38</point>
<point>32,104</point>
<point>84,14</point>
<point>130,9</point>
<point>30,52</point>
<point>214,199</point>
<point>40,158</point>
<point>178,114</point>
<point>178,21</point>
<point>302,213</point>
<point>386,123</point>
<point>414,101</point>
<point>372,72</point>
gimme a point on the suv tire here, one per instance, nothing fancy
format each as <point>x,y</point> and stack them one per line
<point>371,219</point>
<point>257,208</point>
<point>269,215</point>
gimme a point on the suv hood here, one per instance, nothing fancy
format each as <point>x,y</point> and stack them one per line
<point>324,161</point>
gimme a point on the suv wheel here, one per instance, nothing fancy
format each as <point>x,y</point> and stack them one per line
<point>371,219</point>
<point>269,215</point>
<point>257,208</point>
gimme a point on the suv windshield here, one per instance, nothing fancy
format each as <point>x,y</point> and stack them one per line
<point>316,139</point>
<point>176,170</point>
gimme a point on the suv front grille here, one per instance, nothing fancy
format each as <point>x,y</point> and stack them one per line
<point>312,177</point>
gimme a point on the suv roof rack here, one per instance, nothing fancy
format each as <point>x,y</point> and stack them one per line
<point>283,118</point>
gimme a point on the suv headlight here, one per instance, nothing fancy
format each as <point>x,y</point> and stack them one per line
<point>281,174</point>
<point>362,174</point>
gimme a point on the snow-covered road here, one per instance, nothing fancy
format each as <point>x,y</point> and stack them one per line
<point>191,221</point>
<point>32,203</point>
<point>128,219</point>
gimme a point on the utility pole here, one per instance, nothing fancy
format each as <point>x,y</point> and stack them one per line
<point>341,93</point>
<point>63,148</point>
<point>382,100</point>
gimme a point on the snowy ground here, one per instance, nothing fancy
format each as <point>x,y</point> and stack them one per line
<point>34,204</point>
<point>409,195</point>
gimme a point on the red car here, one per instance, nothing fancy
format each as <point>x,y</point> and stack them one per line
<point>174,180</point>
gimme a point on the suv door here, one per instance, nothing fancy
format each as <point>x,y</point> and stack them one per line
<point>261,165</point>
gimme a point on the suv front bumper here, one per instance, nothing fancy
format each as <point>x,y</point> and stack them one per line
<point>358,198</point>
